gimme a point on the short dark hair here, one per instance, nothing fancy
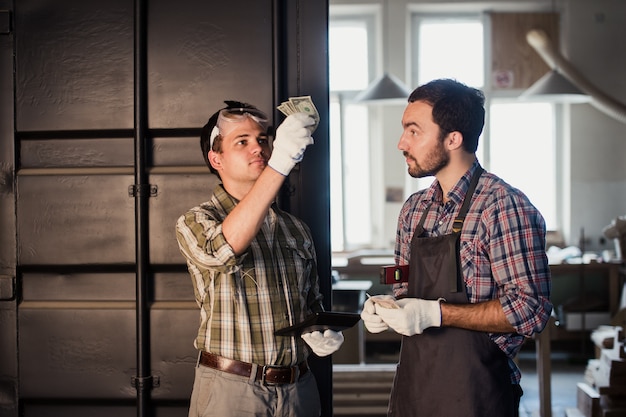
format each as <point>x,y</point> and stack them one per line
<point>456,107</point>
<point>205,135</point>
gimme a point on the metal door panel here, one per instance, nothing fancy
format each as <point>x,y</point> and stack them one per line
<point>78,328</point>
<point>93,410</point>
<point>77,350</point>
<point>78,286</point>
<point>76,318</point>
<point>74,66</point>
<point>177,194</point>
<point>201,53</point>
<point>75,219</point>
<point>174,326</point>
<point>73,153</point>
<point>174,322</point>
<point>174,286</point>
<point>8,362</point>
<point>179,151</point>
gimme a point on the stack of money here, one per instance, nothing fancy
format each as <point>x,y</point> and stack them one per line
<point>302,104</point>
<point>385,302</point>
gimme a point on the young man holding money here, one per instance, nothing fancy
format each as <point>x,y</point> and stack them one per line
<point>254,271</point>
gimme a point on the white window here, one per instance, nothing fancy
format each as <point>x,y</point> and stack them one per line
<point>350,61</point>
<point>449,48</point>
<point>522,151</point>
<point>519,140</point>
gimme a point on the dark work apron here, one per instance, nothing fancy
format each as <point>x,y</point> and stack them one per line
<point>448,372</point>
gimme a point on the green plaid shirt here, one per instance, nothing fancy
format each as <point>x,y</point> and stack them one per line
<point>244,299</point>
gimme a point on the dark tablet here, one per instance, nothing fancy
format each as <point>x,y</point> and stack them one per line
<point>321,321</point>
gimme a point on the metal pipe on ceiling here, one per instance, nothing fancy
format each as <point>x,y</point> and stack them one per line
<point>540,41</point>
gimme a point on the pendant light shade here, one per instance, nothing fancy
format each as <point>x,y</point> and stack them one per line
<point>556,88</point>
<point>386,88</point>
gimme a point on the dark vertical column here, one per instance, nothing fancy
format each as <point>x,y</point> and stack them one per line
<point>8,257</point>
<point>302,69</point>
<point>143,381</point>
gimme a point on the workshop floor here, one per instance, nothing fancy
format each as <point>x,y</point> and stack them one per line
<point>362,390</point>
<point>566,374</point>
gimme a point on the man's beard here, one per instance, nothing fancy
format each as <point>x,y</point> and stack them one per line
<point>435,160</point>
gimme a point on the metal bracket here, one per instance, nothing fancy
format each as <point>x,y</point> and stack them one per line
<point>5,22</point>
<point>148,190</point>
<point>145,382</point>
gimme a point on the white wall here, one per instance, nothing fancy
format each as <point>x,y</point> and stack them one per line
<point>592,34</point>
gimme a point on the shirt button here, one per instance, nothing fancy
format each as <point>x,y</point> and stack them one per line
<point>440,222</point>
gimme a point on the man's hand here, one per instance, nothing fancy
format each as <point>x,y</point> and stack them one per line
<point>373,322</point>
<point>323,344</point>
<point>292,138</point>
<point>413,316</point>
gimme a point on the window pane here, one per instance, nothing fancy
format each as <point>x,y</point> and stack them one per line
<point>451,49</point>
<point>357,200</point>
<point>348,56</point>
<point>349,65</point>
<point>523,152</point>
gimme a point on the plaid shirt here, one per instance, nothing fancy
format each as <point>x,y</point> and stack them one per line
<point>502,251</point>
<point>244,299</point>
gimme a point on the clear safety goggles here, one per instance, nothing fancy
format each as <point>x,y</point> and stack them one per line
<point>236,115</point>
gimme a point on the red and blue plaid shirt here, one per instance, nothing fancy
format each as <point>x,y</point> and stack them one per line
<point>502,251</point>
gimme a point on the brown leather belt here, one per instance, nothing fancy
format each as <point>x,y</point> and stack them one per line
<point>268,374</point>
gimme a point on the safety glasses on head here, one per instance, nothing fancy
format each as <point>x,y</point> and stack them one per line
<point>236,115</point>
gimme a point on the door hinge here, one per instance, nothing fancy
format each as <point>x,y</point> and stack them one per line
<point>145,382</point>
<point>142,190</point>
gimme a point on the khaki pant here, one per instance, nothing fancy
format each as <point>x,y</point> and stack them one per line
<point>217,393</point>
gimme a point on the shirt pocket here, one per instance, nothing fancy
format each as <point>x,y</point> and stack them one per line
<point>303,258</point>
<point>302,261</point>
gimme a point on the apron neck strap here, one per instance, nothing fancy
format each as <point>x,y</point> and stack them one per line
<point>458,222</point>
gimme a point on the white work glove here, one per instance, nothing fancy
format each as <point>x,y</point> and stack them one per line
<point>373,322</point>
<point>292,138</point>
<point>323,344</point>
<point>413,316</point>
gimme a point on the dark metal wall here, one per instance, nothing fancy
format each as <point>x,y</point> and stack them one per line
<point>101,104</point>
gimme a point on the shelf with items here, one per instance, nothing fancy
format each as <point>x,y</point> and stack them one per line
<point>584,296</point>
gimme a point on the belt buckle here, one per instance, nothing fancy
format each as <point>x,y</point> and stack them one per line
<point>268,367</point>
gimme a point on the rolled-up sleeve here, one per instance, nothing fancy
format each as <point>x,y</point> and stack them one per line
<point>519,264</point>
<point>202,242</point>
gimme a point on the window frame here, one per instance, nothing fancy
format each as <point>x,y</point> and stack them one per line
<point>492,96</point>
<point>371,16</point>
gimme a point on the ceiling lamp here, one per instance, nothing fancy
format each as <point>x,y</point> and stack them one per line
<point>556,88</point>
<point>539,40</point>
<point>386,88</point>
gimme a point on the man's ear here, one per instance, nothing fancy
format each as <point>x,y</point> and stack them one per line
<point>454,140</point>
<point>216,160</point>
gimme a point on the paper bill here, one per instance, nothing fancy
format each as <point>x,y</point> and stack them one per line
<point>287,108</point>
<point>302,104</point>
<point>383,302</point>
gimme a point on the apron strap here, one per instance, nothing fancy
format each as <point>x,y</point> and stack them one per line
<point>420,226</point>
<point>457,226</point>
